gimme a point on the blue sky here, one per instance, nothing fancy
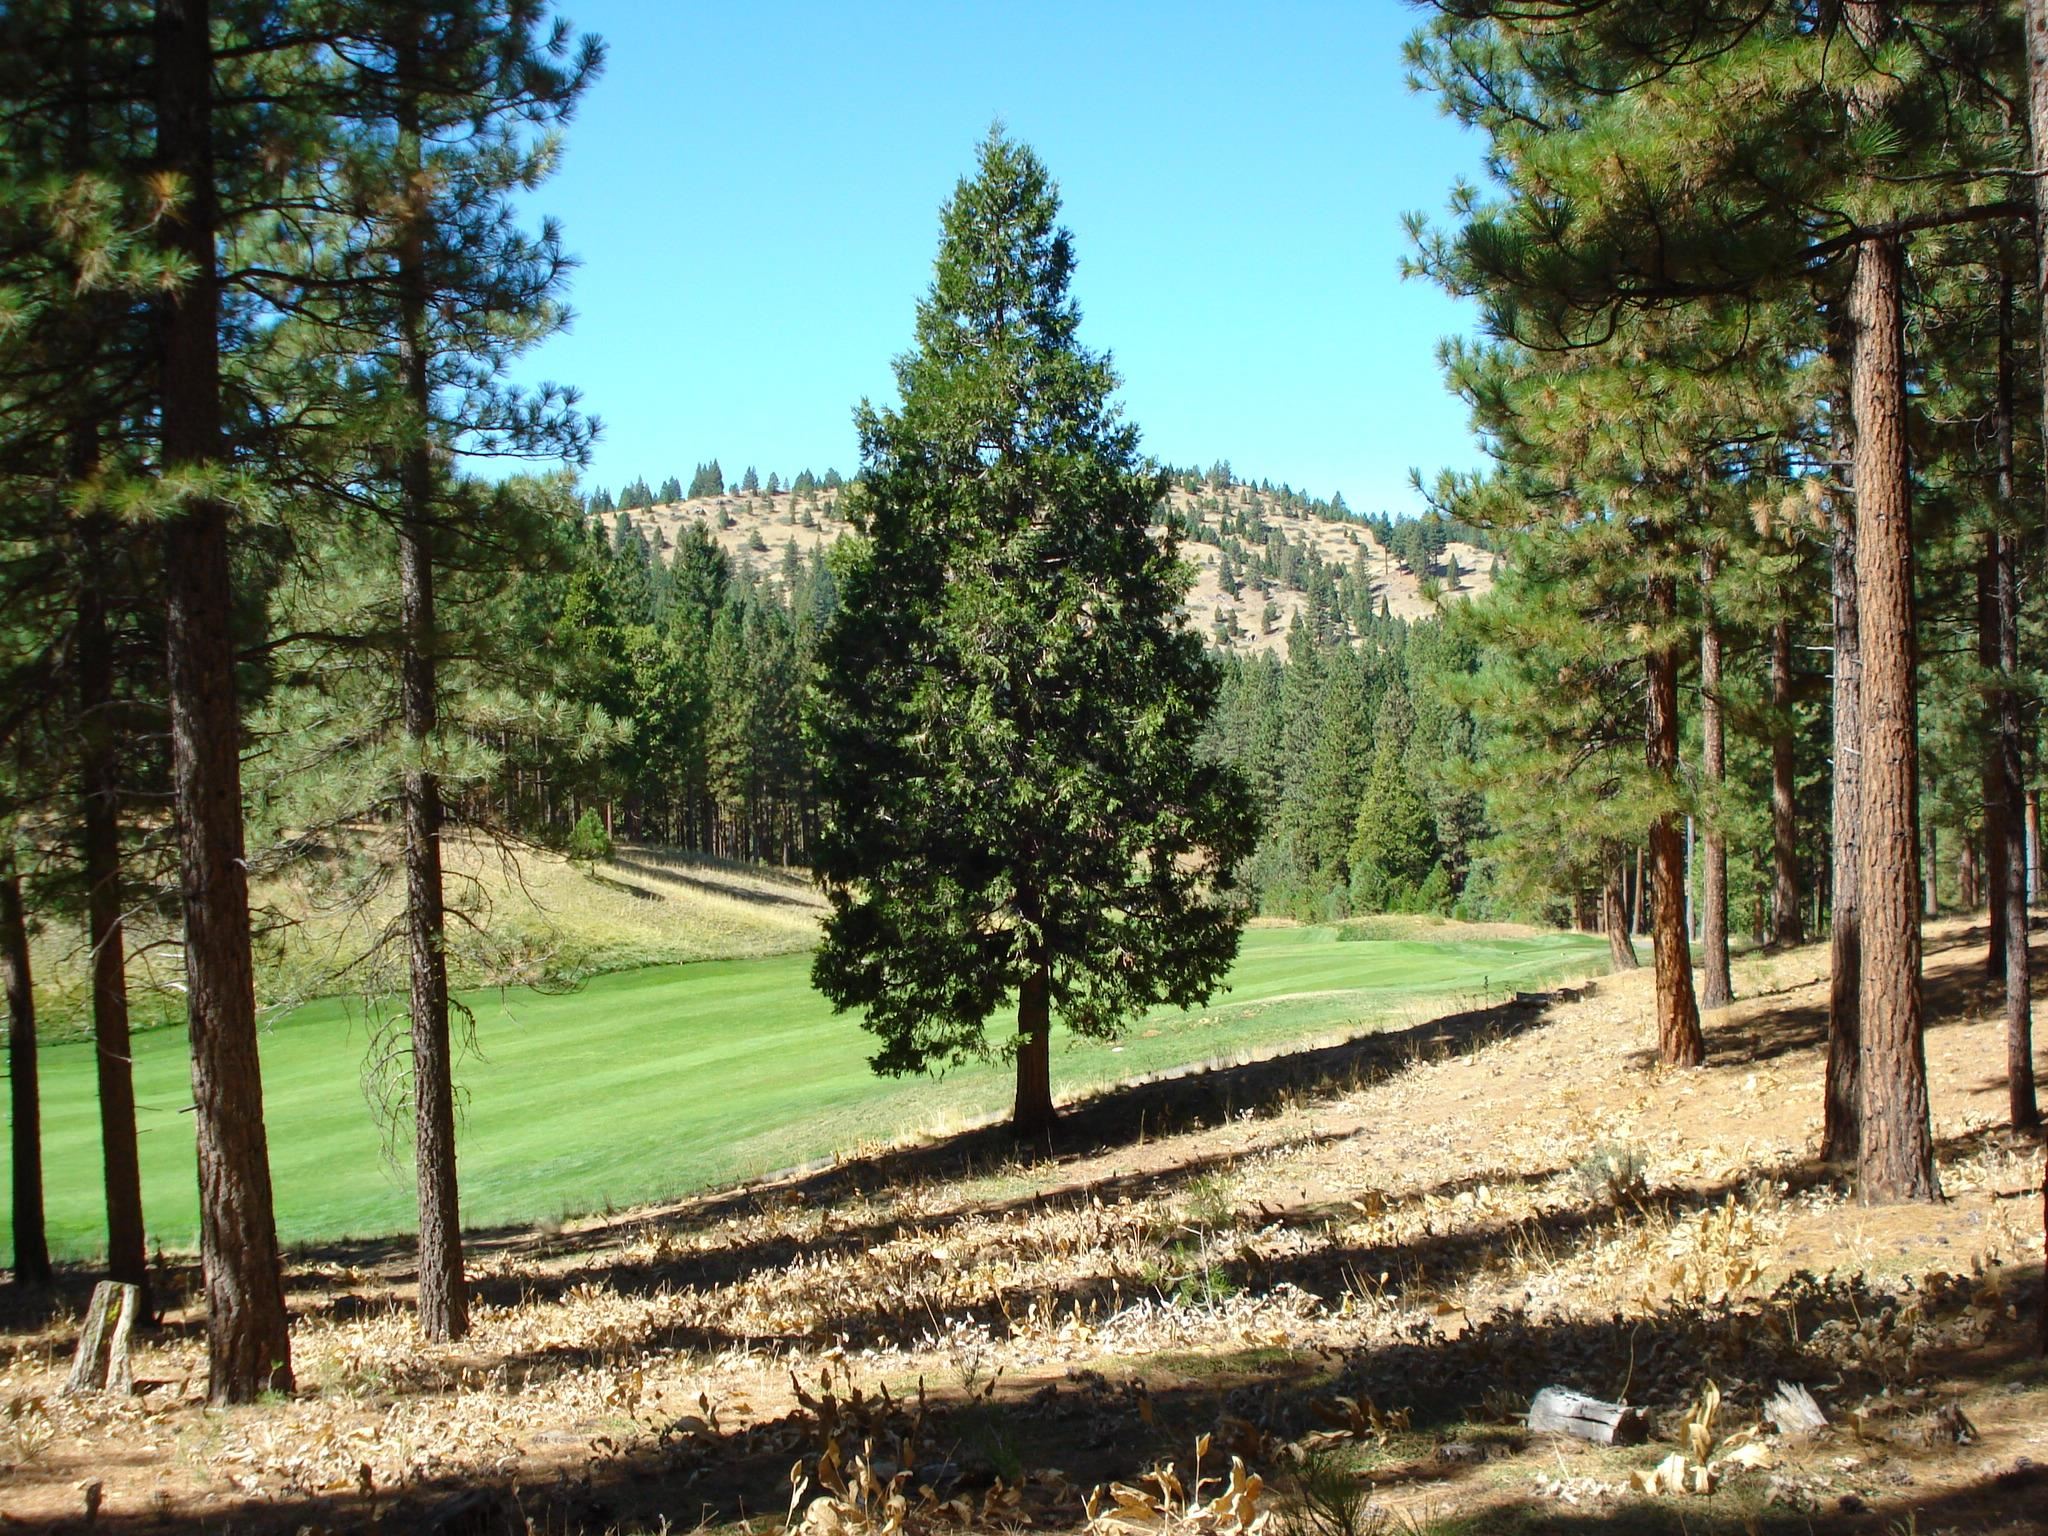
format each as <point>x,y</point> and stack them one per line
<point>753,191</point>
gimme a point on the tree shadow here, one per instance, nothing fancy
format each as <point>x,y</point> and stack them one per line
<point>1459,1386</point>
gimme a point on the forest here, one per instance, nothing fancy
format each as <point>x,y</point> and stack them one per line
<point>1728,662</point>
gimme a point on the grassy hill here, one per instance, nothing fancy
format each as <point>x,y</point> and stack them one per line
<point>757,528</point>
<point>531,918</point>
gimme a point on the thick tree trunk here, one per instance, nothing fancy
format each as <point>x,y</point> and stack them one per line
<point>24,1097</point>
<point>1896,1152</point>
<point>1787,920</point>
<point>1717,987</point>
<point>1032,1117</point>
<point>249,1345</point>
<point>100,851</point>
<point>443,1296</point>
<point>1621,950</point>
<point>1679,1042</point>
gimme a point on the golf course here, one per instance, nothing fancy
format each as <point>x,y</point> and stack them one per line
<point>655,1082</point>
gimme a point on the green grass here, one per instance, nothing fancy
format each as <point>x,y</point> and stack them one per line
<point>656,1082</point>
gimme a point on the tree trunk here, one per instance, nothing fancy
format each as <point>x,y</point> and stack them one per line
<point>2005,815</point>
<point>99,784</point>
<point>2033,845</point>
<point>1930,874</point>
<point>1994,796</point>
<point>31,1246</point>
<point>1840,1139</point>
<point>1896,1152</point>
<point>1032,1118</point>
<point>100,854</point>
<point>1717,988</point>
<point>2009,898</point>
<point>1637,907</point>
<point>1787,921</point>
<point>1679,1043</point>
<point>443,1296</point>
<point>1621,950</point>
<point>2035,18</point>
<point>249,1345</point>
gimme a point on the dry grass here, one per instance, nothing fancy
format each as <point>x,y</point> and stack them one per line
<point>1373,1274</point>
<point>518,916</point>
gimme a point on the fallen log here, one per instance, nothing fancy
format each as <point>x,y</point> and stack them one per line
<point>1560,1411</point>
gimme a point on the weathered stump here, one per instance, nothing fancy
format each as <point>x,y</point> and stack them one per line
<point>1559,1411</point>
<point>101,1364</point>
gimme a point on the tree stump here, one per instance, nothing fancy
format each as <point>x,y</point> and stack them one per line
<point>101,1364</point>
<point>1559,1411</point>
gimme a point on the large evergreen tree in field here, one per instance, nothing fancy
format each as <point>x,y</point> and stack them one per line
<point>1014,806</point>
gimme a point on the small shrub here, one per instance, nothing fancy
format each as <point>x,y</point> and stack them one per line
<point>1209,1203</point>
<point>1326,1498</point>
<point>588,840</point>
<point>1614,1170</point>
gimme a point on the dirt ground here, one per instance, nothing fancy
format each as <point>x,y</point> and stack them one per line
<point>1349,1270</point>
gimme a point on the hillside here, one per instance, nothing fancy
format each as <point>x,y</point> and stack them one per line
<point>757,528</point>
<point>528,917</point>
<point>1322,1265</point>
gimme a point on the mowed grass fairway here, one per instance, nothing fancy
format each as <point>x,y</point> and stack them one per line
<point>657,1082</point>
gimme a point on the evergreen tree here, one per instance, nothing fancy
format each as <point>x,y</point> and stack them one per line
<point>1393,845</point>
<point>1007,715</point>
<point>709,480</point>
<point>446,93</point>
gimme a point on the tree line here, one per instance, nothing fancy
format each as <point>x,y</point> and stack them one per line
<point>264,276</point>
<point>1766,436</point>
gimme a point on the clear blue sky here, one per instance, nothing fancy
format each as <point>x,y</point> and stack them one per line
<point>753,191</point>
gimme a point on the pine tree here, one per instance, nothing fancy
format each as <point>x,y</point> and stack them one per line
<point>1012,800</point>
<point>445,94</point>
<point>249,1346</point>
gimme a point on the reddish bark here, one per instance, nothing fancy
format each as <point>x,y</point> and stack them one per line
<point>1896,1152</point>
<point>249,1346</point>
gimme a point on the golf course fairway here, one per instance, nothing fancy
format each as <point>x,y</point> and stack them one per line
<point>656,1082</point>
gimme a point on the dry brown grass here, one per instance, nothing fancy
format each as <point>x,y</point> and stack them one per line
<point>1379,1271</point>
